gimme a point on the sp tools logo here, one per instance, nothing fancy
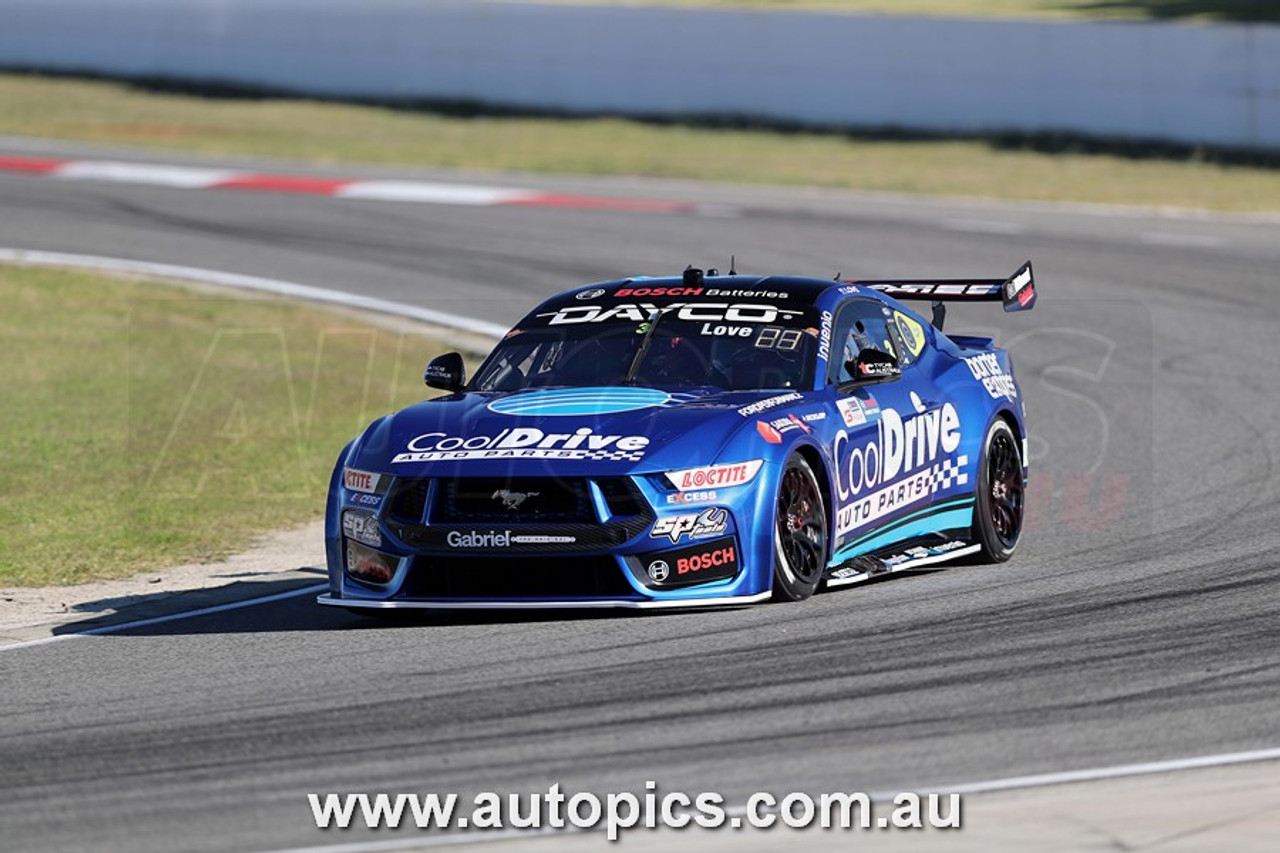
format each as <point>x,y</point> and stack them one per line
<point>709,522</point>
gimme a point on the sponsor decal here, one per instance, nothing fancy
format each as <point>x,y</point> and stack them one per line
<point>594,293</point>
<point>658,291</point>
<point>580,402</point>
<point>709,522</point>
<point>500,539</point>
<point>876,369</point>
<point>747,294</point>
<point>986,369</point>
<point>726,556</point>
<point>768,433</point>
<point>773,430</point>
<point>513,500</point>
<point>811,417</point>
<point>360,481</point>
<point>912,333</point>
<point>913,449</point>
<point>919,552</point>
<point>907,491</point>
<point>694,564</point>
<point>361,499</point>
<point>870,405</point>
<point>769,403</point>
<point>525,443</point>
<point>939,289</point>
<point>692,312</point>
<point>714,476</point>
<point>691,498</point>
<point>362,527</point>
<point>851,411</point>
<point>824,336</point>
<point>1021,286</point>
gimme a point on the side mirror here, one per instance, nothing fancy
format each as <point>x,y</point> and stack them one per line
<point>872,365</point>
<point>446,371</point>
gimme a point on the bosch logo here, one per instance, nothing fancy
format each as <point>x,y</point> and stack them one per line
<point>709,560</point>
<point>659,571</point>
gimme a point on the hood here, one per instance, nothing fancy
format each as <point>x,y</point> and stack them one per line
<point>557,432</point>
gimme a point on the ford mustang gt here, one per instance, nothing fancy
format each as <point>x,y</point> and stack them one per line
<point>693,440</point>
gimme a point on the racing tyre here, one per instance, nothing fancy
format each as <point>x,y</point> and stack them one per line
<point>799,533</point>
<point>997,523</point>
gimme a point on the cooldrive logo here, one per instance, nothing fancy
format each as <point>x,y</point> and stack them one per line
<point>714,476</point>
<point>910,452</point>
<point>525,443</point>
<point>693,312</point>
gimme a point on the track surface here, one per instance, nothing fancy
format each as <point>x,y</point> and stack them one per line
<point>1135,625</point>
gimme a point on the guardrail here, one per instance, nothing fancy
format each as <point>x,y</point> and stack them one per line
<point>1196,84</point>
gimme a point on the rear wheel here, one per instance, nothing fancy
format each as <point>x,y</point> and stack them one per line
<point>799,533</point>
<point>997,523</point>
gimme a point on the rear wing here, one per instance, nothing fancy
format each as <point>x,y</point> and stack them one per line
<point>1016,293</point>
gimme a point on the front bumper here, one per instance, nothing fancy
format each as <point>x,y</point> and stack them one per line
<point>566,604</point>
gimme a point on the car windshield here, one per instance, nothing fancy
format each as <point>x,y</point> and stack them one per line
<point>761,348</point>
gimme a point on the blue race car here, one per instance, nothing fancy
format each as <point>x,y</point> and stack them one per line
<point>690,441</point>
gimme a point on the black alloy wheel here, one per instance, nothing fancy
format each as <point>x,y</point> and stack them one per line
<point>799,533</point>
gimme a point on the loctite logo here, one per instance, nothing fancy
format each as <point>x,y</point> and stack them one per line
<point>715,476</point>
<point>710,560</point>
<point>360,481</point>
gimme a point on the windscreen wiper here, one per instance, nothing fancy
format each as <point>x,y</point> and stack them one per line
<point>644,347</point>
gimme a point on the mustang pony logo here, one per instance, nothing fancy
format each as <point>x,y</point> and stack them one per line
<point>512,500</point>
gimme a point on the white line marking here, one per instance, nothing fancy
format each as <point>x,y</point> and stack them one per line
<point>984,226</point>
<point>172,617</point>
<point>261,285</point>
<point>423,192</point>
<point>1118,772</point>
<point>1164,238</point>
<point>142,173</point>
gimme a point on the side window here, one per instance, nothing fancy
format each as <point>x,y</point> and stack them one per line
<point>861,324</point>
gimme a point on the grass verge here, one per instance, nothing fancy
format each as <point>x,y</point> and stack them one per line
<point>147,425</point>
<point>328,133</point>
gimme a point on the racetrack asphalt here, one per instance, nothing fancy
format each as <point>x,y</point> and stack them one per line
<point>1136,623</point>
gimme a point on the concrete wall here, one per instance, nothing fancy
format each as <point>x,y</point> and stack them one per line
<point>1192,84</point>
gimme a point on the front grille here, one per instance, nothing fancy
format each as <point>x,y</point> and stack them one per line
<point>498,500</point>
<point>408,498</point>
<point>446,576</point>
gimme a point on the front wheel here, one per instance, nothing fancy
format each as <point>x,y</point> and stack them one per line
<point>997,523</point>
<point>799,533</point>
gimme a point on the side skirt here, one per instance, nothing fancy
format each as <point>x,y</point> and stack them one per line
<point>914,553</point>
